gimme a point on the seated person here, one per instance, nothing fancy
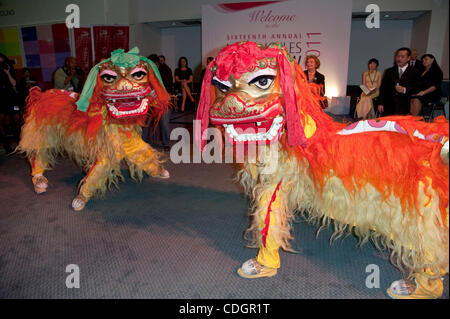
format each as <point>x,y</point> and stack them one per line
<point>371,79</point>
<point>429,83</point>
<point>183,77</point>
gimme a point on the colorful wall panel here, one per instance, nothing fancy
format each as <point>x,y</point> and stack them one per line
<point>46,47</point>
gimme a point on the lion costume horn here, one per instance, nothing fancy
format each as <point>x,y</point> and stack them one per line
<point>236,59</point>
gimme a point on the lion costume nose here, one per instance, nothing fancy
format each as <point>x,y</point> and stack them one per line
<point>124,85</point>
<point>232,105</point>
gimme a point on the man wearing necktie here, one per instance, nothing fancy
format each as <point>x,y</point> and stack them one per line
<point>415,63</point>
<point>398,84</point>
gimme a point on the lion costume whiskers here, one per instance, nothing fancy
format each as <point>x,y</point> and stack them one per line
<point>385,180</point>
<point>98,129</point>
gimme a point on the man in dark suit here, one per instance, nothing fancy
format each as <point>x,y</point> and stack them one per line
<point>414,62</point>
<point>166,74</point>
<point>398,84</point>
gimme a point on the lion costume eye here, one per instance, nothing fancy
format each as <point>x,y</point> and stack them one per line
<point>262,79</point>
<point>223,86</point>
<point>108,76</point>
<point>138,73</point>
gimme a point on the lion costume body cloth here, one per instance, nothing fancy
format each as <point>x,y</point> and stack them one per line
<point>385,180</point>
<point>99,128</point>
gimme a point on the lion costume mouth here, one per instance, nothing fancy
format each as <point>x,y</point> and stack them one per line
<point>252,129</point>
<point>123,104</point>
<point>257,132</point>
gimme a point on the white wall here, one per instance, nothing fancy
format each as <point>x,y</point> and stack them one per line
<point>445,56</point>
<point>136,12</point>
<point>146,37</point>
<point>419,37</point>
<point>182,41</point>
<point>191,9</point>
<point>32,12</point>
<point>376,43</point>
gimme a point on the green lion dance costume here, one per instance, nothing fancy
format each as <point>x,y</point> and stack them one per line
<point>98,129</point>
<point>386,180</point>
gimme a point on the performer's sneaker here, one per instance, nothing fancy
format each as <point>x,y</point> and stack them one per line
<point>253,269</point>
<point>402,289</point>
<point>79,202</point>
<point>40,184</point>
<point>163,174</point>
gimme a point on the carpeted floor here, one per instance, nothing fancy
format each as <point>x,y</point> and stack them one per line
<point>175,238</point>
<point>179,238</point>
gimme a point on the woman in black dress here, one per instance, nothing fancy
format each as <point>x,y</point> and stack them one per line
<point>312,63</point>
<point>183,76</point>
<point>430,85</point>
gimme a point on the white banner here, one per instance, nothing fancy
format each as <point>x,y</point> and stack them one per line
<point>320,27</point>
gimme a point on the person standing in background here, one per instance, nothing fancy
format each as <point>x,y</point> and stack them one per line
<point>414,62</point>
<point>399,83</point>
<point>164,122</point>
<point>8,98</point>
<point>66,77</point>
<point>24,85</point>
<point>208,61</point>
<point>166,74</point>
<point>312,63</point>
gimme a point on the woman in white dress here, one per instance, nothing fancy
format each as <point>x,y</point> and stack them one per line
<point>371,79</point>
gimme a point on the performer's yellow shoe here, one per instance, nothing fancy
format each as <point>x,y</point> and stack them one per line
<point>421,288</point>
<point>40,183</point>
<point>253,269</point>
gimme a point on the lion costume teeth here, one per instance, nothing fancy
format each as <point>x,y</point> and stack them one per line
<point>385,180</point>
<point>237,134</point>
<point>99,128</point>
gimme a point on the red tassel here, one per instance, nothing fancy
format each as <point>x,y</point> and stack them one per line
<point>203,107</point>
<point>296,135</point>
<point>265,230</point>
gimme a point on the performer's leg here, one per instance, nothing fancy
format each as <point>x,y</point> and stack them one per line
<point>426,284</point>
<point>267,260</point>
<point>93,181</point>
<point>38,166</point>
<point>143,156</point>
<point>164,127</point>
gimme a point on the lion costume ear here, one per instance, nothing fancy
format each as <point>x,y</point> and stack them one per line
<point>88,89</point>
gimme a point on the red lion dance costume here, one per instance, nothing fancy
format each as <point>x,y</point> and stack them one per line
<point>385,180</point>
<point>100,128</point>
